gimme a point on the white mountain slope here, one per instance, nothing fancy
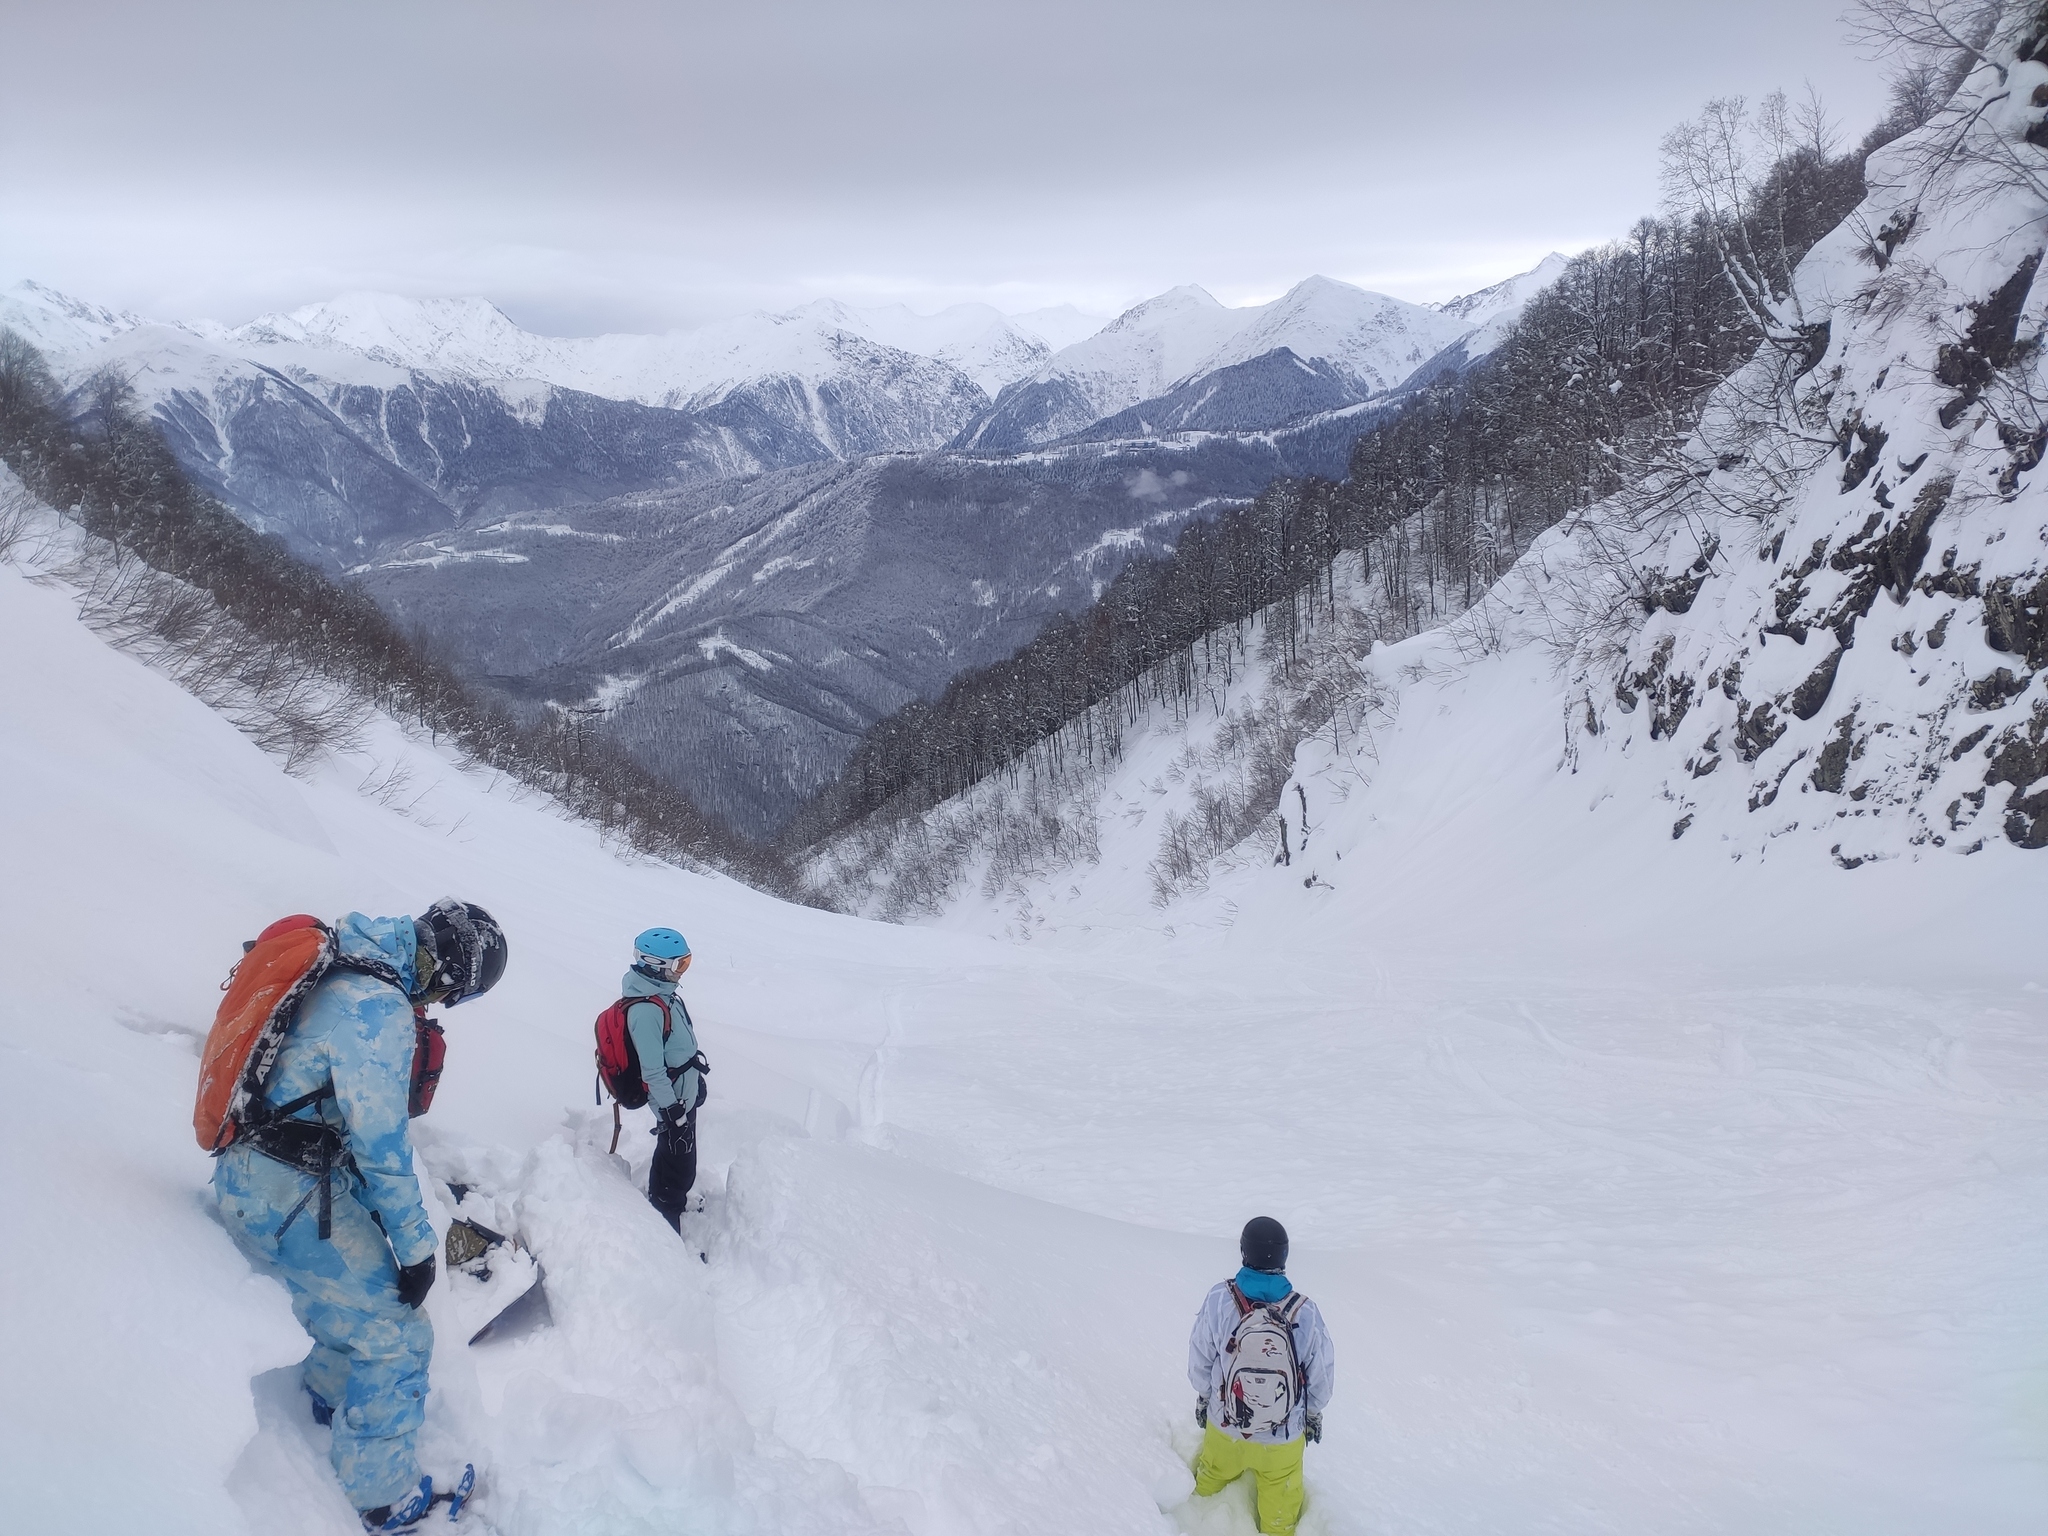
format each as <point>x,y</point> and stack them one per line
<point>1367,340</point>
<point>1506,296</point>
<point>1643,1190</point>
<point>1494,310</point>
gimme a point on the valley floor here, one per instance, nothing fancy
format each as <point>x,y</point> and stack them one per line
<point>1639,1197</point>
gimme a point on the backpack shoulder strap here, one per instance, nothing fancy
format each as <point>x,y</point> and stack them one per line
<point>388,974</point>
<point>1287,1312</point>
<point>667,1020</point>
<point>1244,1303</point>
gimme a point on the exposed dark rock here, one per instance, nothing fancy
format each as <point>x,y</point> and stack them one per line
<point>1856,863</point>
<point>1861,448</point>
<point>1938,632</point>
<point>1676,596</point>
<point>1993,337</point>
<point>1763,794</point>
<point>1674,700</point>
<point>1832,768</point>
<point>2027,448</point>
<point>2021,759</point>
<point>1809,696</point>
<point>2016,619</point>
<point>1678,827</point>
<point>1997,690</point>
<point>2026,819</point>
<point>1669,693</point>
<point>1949,580</point>
<point>1895,229</point>
<point>1905,548</point>
<point>2020,755</point>
<point>1814,340</point>
<point>1956,752</point>
<point>1756,732</point>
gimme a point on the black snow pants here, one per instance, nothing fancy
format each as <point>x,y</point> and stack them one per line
<point>674,1170</point>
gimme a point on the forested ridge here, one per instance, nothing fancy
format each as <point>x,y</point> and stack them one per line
<point>106,467</point>
<point>1604,371</point>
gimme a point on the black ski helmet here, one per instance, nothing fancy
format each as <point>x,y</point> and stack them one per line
<point>468,947</point>
<point>1263,1245</point>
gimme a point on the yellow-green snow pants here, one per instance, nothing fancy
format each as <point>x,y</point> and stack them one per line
<point>1222,1460</point>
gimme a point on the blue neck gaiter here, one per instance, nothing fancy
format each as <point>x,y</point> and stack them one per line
<point>1257,1285</point>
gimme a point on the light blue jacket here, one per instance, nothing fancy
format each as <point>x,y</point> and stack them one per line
<point>357,1032</point>
<point>1208,1363</point>
<point>643,1022</point>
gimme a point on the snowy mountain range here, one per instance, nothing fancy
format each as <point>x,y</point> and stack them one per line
<point>1183,349</point>
<point>750,540</point>
<point>346,425</point>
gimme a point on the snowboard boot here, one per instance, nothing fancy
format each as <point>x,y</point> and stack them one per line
<point>405,1515</point>
<point>458,1496</point>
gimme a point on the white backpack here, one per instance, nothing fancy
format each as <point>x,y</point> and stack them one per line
<point>1261,1377</point>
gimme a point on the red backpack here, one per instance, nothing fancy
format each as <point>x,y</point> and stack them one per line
<point>618,1059</point>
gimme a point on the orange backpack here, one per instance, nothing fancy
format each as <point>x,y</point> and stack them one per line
<point>275,975</point>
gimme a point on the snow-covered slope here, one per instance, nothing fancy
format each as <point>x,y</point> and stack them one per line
<point>1643,1190</point>
<point>1506,296</point>
<point>1492,311</point>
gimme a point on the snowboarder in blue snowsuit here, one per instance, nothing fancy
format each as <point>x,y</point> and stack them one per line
<point>357,1288</point>
<point>671,1065</point>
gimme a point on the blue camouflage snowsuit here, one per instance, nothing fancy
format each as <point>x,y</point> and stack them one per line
<point>370,1350</point>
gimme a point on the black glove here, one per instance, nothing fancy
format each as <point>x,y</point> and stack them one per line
<point>670,1121</point>
<point>1312,1426</point>
<point>1202,1412</point>
<point>415,1280</point>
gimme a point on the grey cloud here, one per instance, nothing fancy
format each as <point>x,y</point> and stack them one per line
<point>634,165</point>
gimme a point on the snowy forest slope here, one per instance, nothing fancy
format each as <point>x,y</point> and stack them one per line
<point>1822,616</point>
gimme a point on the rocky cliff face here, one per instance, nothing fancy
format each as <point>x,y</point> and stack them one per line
<point>1834,615</point>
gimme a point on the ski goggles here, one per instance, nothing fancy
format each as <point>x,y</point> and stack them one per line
<point>662,967</point>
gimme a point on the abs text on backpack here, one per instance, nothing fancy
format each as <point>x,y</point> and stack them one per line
<point>1262,1377</point>
<point>618,1059</point>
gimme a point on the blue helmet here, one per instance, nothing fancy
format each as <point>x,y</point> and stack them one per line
<point>661,952</point>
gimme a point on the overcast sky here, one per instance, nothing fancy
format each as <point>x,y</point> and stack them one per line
<point>608,165</point>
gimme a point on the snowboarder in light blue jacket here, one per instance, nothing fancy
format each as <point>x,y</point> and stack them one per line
<point>671,1065</point>
<point>343,1160</point>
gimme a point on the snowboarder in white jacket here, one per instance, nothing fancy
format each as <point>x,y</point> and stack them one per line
<point>1263,1367</point>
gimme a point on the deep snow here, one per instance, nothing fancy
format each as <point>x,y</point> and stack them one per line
<point>1644,1190</point>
